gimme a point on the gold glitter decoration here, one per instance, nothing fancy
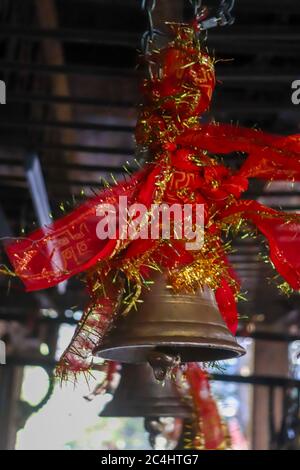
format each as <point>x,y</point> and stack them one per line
<point>203,271</point>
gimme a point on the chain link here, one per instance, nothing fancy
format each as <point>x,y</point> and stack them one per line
<point>197,6</point>
<point>148,6</point>
<point>223,18</point>
<point>225,10</point>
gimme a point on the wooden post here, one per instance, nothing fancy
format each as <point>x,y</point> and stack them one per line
<point>10,389</point>
<point>271,358</point>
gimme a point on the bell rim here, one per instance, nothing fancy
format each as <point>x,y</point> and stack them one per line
<point>146,414</point>
<point>115,352</point>
<point>140,411</point>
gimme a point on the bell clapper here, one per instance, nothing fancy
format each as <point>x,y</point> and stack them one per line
<point>162,364</point>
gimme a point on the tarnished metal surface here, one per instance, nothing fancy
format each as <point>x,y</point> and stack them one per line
<point>139,394</point>
<point>186,325</point>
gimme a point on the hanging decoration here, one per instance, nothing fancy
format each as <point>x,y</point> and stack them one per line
<point>207,430</point>
<point>167,328</point>
<point>186,396</point>
<point>107,385</point>
<point>139,394</point>
<point>186,165</point>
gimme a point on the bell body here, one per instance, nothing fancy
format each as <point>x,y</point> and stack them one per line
<point>140,395</point>
<point>185,325</point>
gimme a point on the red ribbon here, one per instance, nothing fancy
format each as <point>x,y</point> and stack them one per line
<point>70,245</point>
<point>210,426</point>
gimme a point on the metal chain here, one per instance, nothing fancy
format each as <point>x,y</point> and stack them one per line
<point>197,6</point>
<point>225,10</point>
<point>148,6</point>
<point>223,18</point>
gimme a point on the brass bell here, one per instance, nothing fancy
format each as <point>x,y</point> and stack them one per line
<point>167,326</point>
<point>139,395</point>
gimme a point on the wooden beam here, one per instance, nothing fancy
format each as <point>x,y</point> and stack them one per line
<point>54,56</point>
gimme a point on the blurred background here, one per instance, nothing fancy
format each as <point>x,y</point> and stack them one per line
<point>72,84</point>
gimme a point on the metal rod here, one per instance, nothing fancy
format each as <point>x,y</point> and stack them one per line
<point>224,106</point>
<point>67,69</point>
<point>88,126</point>
<point>286,43</point>
<point>119,169</point>
<point>269,336</point>
<point>256,335</point>
<point>267,381</point>
<point>58,182</point>
<point>68,148</point>
<point>274,76</point>
<point>77,100</point>
<point>99,184</point>
<point>66,166</point>
<point>250,380</point>
<point>109,38</point>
